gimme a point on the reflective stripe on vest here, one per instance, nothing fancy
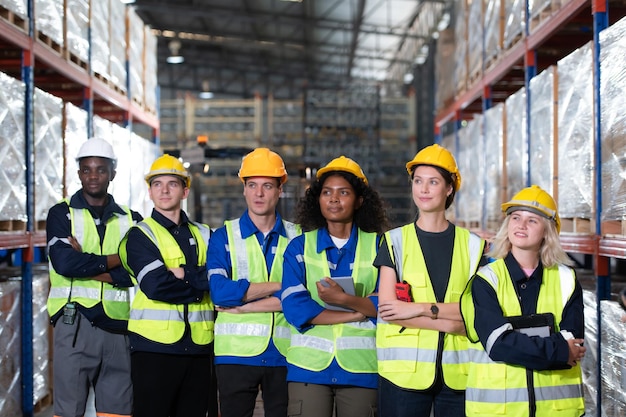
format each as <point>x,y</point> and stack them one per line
<point>164,322</point>
<point>409,359</point>
<point>249,334</point>
<point>88,292</point>
<point>352,344</point>
<point>506,391</point>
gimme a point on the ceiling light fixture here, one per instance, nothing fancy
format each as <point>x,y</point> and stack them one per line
<point>175,57</point>
<point>205,93</point>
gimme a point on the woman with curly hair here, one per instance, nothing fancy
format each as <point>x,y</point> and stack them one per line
<point>329,295</point>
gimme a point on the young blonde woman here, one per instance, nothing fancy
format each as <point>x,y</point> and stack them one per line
<point>526,309</point>
<point>420,338</point>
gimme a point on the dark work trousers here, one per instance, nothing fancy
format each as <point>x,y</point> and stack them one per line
<point>238,387</point>
<point>170,385</point>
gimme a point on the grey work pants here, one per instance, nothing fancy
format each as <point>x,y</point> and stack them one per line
<point>312,400</point>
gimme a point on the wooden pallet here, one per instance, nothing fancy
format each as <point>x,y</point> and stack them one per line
<point>577,225</point>
<point>50,43</point>
<point>613,228</point>
<point>12,226</point>
<point>543,15</point>
<point>43,404</point>
<point>516,40</point>
<point>106,80</point>
<point>475,77</point>
<point>14,19</point>
<point>76,60</point>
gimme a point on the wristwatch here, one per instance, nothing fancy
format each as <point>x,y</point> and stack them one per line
<point>434,310</point>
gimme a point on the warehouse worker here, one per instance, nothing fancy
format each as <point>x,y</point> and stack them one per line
<point>526,309</point>
<point>245,261</point>
<point>171,317</point>
<point>332,358</point>
<point>422,348</point>
<point>89,301</point>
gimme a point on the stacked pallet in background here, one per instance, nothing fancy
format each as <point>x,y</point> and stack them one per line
<point>12,155</point>
<point>576,150</point>
<point>485,31</point>
<point>613,93</point>
<point>397,146</point>
<point>88,34</point>
<point>10,338</point>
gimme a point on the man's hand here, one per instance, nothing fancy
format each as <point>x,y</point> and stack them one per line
<point>75,245</point>
<point>178,272</point>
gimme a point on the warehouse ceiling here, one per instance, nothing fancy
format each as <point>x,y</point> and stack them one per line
<point>239,48</point>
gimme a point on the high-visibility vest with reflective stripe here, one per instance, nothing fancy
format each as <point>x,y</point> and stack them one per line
<point>249,334</point>
<point>352,344</point>
<point>409,358</point>
<point>89,292</point>
<point>165,322</point>
<point>497,389</point>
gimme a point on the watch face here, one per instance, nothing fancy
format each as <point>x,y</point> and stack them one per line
<point>434,309</point>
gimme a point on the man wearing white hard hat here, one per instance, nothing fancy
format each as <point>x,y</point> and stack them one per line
<point>89,300</point>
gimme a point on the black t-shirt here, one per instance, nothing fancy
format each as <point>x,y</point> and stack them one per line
<point>437,249</point>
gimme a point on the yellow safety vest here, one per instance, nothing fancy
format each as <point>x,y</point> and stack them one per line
<point>352,344</point>
<point>408,359</point>
<point>89,292</point>
<point>249,334</point>
<point>557,393</point>
<point>165,322</point>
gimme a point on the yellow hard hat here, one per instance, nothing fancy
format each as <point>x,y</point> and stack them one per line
<point>437,156</point>
<point>343,164</point>
<point>536,200</point>
<point>263,162</point>
<point>168,165</point>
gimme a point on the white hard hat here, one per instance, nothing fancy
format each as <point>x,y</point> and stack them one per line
<point>96,147</point>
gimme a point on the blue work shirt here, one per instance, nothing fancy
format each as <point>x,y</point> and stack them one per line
<point>228,293</point>
<point>162,285</point>
<point>71,263</point>
<point>299,308</point>
<point>537,353</point>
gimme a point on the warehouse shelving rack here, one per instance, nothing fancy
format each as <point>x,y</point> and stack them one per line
<point>575,23</point>
<point>27,57</point>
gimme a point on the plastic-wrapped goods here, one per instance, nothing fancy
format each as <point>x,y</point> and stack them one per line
<point>77,23</point>
<point>613,93</point>
<point>543,127</point>
<point>514,22</point>
<point>143,154</point>
<point>575,129</point>
<point>135,45</point>
<point>100,38</point>
<point>127,164</point>
<point>12,147</point>
<point>150,70</point>
<point>470,159</point>
<point>48,111</point>
<point>492,168</point>
<point>49,18</point>
<point>613,359</point>
<point>475,34</point>
<point>117,44</point>
<point>445,64</point>
<point>448,141</point>
<point>516,150</point>
<point>10,338</point>
<point>492,29</point>
<point>19,7</point>
<point>461,53</point>
<point>74,135</point>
